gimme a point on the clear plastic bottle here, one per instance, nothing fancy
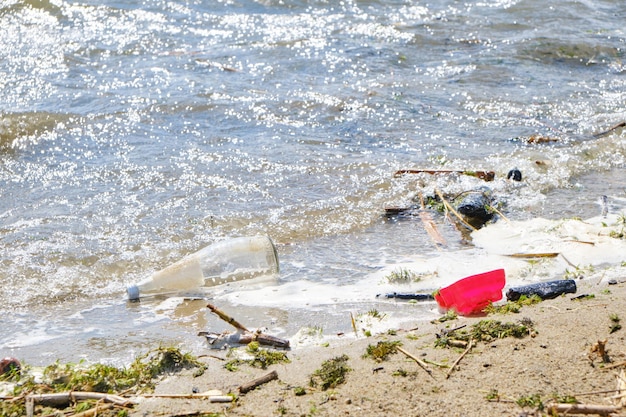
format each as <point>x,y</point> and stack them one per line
<point>225,261</point>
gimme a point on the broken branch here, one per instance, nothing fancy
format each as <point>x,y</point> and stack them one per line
<point>456,362</point>
<point>603,410</point>
<point>483,175</point>
<point>227,318</point>
<point>420,362</point>
<point>249,386</point>
<point>534,255</point>
<point>62,398</point>
<point>453,211</point>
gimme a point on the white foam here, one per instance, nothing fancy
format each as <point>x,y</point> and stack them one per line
<point>582,246</point>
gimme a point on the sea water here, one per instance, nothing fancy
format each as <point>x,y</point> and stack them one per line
<point>134,133</point>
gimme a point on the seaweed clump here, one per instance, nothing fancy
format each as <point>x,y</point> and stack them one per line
<point>331,374</point>
<point>138,377</point>
<point>486,331</point>
<point>260,358</point>
<point>514,306</point>
<point>381,351</point>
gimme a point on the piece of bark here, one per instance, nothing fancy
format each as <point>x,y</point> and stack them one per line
<point>269,340</point>
<point>394,211</point>
<point>249,386</point>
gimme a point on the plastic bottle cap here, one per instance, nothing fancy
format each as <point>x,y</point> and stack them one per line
<point>133,292</point>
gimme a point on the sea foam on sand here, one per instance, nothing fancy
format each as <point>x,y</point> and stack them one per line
<point>584,248</point>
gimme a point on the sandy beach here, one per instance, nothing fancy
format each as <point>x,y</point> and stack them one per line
<point>559,361</point>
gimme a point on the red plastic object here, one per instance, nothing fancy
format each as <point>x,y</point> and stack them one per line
<point>472,294</point>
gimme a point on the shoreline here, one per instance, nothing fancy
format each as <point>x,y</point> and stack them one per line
<point>493,378</point>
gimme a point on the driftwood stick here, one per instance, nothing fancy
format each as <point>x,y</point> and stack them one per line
<point>420,362</point>
<point>211,393</point>
<point>483,175</point>
<point>437,364</point>
<point>62,398</point>
<point>603,410</point>
<point>456,362</point>
<point>453,211</point>
<point>534,255</point>
<point>269,340</point>
<point>429,225</point>
<point>610,129</point>
<point>227,318</point>
<point>249,386</point>
<point>457,343</point>
<point>606,391</point>
<point>615,365</point>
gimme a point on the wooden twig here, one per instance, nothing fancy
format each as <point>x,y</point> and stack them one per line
<point>610,129</point>
<point>227,318</point>
<point>615,365</point>
<point>499,213</point>
<point>483,175</point>
<point>568,262</point>
<point>211,393</point>
<point>456,362</point>
<point>420,362</point>
<point>606,391</point>
<point>62,398</point>
<point>603,410</point>
<point>534,255</point>
<point>437,364</point>
<point>249,386</point>
<point>453,211</point>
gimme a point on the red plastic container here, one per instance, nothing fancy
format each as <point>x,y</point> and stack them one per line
<point>472,294</point>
